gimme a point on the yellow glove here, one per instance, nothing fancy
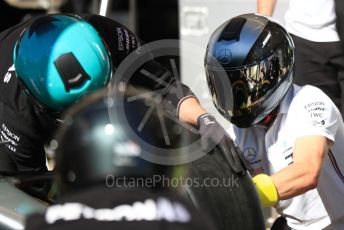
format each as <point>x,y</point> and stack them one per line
<point>266,190</point>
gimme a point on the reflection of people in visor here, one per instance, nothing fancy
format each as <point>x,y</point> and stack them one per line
<point>259,65</point>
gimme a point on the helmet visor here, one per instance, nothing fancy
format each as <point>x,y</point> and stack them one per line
<point>241,93</point>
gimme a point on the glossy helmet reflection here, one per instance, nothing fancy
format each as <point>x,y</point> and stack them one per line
<point>249,67</point>
<point>96,144</point>
<point>60,58</point>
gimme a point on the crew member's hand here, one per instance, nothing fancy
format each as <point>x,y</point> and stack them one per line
<point>266,190</point>
<point>213,134</point>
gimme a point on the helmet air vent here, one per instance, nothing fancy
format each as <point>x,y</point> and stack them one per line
<point>71,71</point>
<point>233,29</point>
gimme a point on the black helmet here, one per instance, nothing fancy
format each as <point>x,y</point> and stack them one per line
<point>249,67</point>
<point>96,143</point>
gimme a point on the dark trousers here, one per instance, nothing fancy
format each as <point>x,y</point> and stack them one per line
<point>321,64</point>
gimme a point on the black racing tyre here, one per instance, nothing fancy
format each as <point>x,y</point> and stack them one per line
<point>230,200</point>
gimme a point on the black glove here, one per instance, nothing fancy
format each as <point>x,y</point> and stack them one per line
<point>213,135</point>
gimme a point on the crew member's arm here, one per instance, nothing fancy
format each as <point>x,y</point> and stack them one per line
<point>177,98</point>
<point>190,110</point>
<point>266,7</point>
<point>180,101</point>
<point>303,174</point>
<point>297,178</point>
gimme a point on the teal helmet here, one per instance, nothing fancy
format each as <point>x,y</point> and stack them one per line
<point>60,58</point>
